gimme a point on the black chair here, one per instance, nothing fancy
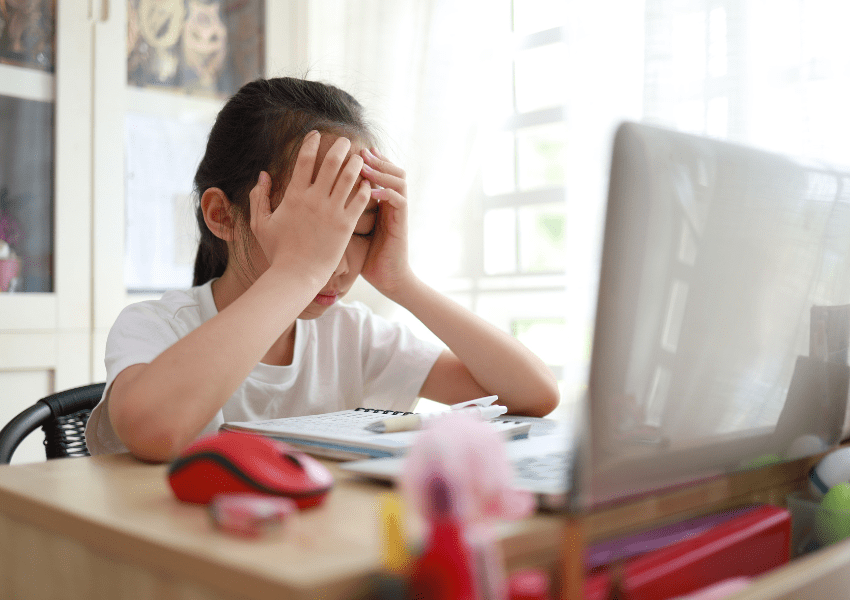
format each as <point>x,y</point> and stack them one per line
<point>62,417</point>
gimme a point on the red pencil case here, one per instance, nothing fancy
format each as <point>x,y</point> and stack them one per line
<point>744,546</point>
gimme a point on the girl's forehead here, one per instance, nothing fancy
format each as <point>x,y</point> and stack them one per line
<point>328,139</point>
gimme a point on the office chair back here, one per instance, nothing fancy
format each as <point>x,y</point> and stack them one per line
<point>61,416</point>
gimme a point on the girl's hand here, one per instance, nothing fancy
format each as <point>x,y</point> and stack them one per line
<point>386,266</point>
<point>313,223</point>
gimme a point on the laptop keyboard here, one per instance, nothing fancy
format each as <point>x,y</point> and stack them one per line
<point>550,468</point>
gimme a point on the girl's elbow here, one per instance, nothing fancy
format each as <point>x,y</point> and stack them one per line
<point>153,447</point>
<point>539,404</point>
<point>545,406</point>
<point>147,437</point>
<point>548,399</point>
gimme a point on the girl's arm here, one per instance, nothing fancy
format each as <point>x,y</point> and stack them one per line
<point>482,359</point>
<point>158,408</point>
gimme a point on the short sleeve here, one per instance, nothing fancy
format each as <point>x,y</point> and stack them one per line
<point>395,363</point>
<point>139,334</point>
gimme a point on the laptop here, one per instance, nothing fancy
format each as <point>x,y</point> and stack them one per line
<point>721,329</point>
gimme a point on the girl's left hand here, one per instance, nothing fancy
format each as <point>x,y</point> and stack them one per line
<point>387,267</point>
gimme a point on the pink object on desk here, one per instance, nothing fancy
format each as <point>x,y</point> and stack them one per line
<point>473,460</point>
<point>250,515</point>
<point>529,584</point>
<point>458,477</point>
<point>446,568</point>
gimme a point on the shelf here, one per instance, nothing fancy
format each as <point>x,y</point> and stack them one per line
<point>27,84</point>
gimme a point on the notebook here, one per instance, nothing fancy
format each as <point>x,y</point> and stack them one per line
<point>341,435</point>
<point>540,461</point>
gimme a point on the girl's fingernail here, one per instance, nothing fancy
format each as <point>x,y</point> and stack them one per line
<point>367,168</point>
<point>376,193</point>
<point>375,152</point>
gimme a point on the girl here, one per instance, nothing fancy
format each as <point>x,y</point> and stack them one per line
<point>294,204</point>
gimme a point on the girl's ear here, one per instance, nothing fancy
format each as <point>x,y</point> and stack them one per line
<point>217,213</point>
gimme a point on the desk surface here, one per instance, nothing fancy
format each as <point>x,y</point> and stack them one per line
<point>121,513</point>
<point>109,527</point>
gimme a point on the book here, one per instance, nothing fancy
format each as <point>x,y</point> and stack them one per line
<point>342,435</point>
<point>745,545</point>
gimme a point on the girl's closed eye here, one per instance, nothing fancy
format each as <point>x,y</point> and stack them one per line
<point>367,223</point>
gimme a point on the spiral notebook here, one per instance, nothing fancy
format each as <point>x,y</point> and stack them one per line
<point>342,435</point>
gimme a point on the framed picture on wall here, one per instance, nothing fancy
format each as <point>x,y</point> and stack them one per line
<point>202,47</point>
<point>28,33</point>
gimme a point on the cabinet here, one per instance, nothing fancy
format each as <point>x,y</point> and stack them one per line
<point>45,335</point>
<point>54,338</point>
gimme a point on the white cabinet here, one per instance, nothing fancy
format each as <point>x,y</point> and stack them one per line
<point>45,335</point>
<point>54,338</point>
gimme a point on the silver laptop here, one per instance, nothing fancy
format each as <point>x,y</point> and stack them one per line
<point>721,329</point>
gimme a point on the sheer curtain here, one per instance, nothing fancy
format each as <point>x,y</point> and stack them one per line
<point>768,73</point>
<point>424,71</point>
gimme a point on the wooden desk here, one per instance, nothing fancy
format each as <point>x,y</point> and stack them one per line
<point>109,527</point>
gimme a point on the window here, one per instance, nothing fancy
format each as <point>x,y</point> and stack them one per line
<point>520,279</point>
<point>689,79</point>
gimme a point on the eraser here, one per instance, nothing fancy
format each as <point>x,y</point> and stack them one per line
<point>250,515</point>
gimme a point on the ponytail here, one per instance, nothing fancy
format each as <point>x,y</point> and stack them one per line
<point>211,259</point>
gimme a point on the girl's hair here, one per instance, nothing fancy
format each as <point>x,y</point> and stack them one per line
<point>261,128</point>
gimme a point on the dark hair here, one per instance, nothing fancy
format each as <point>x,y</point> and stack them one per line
<point>261,128</point>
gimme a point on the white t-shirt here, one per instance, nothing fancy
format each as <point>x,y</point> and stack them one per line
<point>346,358</point>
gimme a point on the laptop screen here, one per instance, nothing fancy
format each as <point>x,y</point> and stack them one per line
<point>722,319</point>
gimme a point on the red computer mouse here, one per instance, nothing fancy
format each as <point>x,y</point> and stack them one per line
<point>230,462</point>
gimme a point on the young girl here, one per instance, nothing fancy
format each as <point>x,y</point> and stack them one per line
<point>294,204</point>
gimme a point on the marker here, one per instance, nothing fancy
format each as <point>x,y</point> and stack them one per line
<point>391,582</point>
<point>414,421</point>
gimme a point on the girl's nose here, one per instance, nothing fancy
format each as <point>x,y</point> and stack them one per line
<point>342,267</point>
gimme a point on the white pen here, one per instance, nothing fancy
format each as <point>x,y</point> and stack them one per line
<point>414,421</point>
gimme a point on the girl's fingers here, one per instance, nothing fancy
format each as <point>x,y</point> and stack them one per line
<point>331,165</point>
<point>302,173</point>
<point>360,200</point>
<point>347,178</point>
<point>377,161</point>
<point>390,196</point>
<point>384,173</point>
<point>384,179</point>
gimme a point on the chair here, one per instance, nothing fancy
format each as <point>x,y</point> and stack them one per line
<point>62,417</point>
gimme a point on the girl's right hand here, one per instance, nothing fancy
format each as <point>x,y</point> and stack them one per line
<point>310,228</point>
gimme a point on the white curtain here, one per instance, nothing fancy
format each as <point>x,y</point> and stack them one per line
<point>768,73</point>
<point>424,69</point>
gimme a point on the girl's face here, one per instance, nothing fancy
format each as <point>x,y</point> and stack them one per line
<point>351,264</point>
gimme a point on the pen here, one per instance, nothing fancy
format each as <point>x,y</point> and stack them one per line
<point>414,421</point>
